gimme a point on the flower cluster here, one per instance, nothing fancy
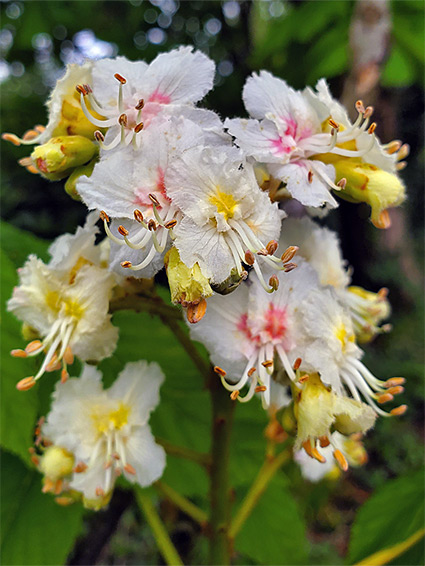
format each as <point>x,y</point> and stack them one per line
<point>177,187</point>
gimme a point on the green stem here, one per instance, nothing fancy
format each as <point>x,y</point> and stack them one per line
<point>222,413</point>
<point>187,344</point>
<point>200,458</point>
<point>182,503</point>
<point>152,304</point>
<point>161,535</point>
<point>261,482</point>
<point>387,555</point>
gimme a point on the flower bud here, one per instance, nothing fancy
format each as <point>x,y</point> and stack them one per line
<point>72,121</point>
<point>58,157</point>
<point>187,284</point>
<point>56,463</point>
<point>373,308</point>
<point>367,183</point>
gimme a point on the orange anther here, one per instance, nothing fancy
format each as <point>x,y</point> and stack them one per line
<point>120,78</point>
<point>100,492</point>
<point>126,264</point>
<point>154,200</point>
<point>68,356</point>
<point>297,364</point>
<point>64,501</point>
<point>303,378</point>
<point>396,390</point>
<point>129,469</point>
<point>398,411</point>
<point>234,395</point>
<point>139,127</point>
<point>341,459</point>
<point>33,346</point>
<point>393,381</point>
<point>272,247</point>
<point>25,383</point>
<point>196,312</point>
<point>48,485</point>
<point>123,231</point>
<point>384,221</point>
<point>123,120</point>
<point>249,257</point>
<point>64,376</point>
<point>104,216</point>
<point>385,398</point>
<point>138,215</point>
<point>152,225</point>
<point>251,371</point>
<point>220,371</point>
<point>324,441</point>
<point>267,363</point>
<point>170,224</point>
<point>140,104</point>
<point>80,467</point>
<point>18,353</point>
<point>11,138</point>
<point>372,128</point>
<point>98,136</point>
<point>289,253</point>
<point>333,123</point>
<point>289,267</point>
<point>260,389</point>
<point>274,282</point>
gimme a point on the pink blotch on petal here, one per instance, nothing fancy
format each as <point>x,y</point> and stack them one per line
<point>159,97</point>
<point>276,323</point>
<point>243,327</point>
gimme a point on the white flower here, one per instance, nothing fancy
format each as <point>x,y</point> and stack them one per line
<point>321,248</point>
<point>224,213</point>
<point>301,135</point>
<point>248,331</point>
<point>328,346</point>
<point>129,95</point>
<point>129,185</point>
<point>66,302</point>
<point>108,431</point>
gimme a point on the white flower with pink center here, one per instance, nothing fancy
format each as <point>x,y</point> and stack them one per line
<point>293,131</point>
<point>248,331</point>
<point>129,95</point>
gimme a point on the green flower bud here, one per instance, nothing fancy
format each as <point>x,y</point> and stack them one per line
<point>187,284</point>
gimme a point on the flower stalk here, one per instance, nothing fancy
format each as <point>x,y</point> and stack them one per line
<point>182,503</point>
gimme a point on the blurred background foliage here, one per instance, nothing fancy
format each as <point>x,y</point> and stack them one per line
<point>299,41</point>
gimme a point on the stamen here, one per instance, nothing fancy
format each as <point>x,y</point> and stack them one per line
<point>81,89</point>
<point>324,441</point>
<point>385,398</point>
<point>123,231</point>
<point>120,78</point>
<point>195,313</point>
<point>68,356</point>
<point>80,467</point>
<point>152,225</point>
<point>401,165</point>
<point>33,346</point>
<point>140,104</point>
<point>340,458</point>
<point>310,176</point>
<point>272,247</point>
<point>220,371</point>
<point>394,381</point>
<point>342,183</point>
<point>98,136</point>
<point>234,395</point>
<point>267,363</point>
<point>372,128</point>
<point>170,224</point>
<point>289,253</point>
<point>360,107</point>
<point>396,390</point>
<point>18,353</point>
<point>304,378</point>
<point>11,138</point>
<point>274,282</point>
<point>139,127</point>
<point>129,469</point>
<point>126,264</point>
<point>64,376</point>
<point>104,216</point>
<point>25,383</point>
<point>333,123</point>
<point>138,215</point>
<point>252,371</point>
<point>260,389</point>
<point>403,152</point>
<point>249,257</point>
<point>289,267</point>
<point>398,411</point>
<point>154,200</point>
<point>123,120</point>
<point>297,364</point>
<point>393,147</point>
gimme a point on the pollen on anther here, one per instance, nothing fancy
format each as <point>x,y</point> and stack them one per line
<point>252,371</point>
<point>272,247</point>
<point>289,267</point>
<point>267,363</point>
<point>297,364</point>
<point>33,346</point>
<point>234,395</point>
<point>18,353</point>
<point>393,381</point>
<point>333,123</point>
<point>274,282</point>
<point>99,136</point>
<point>324,441</point>
<point>140,104</point>
<point>303,378</point>
<point>80,467</point>
<point>154,200</point>
<point>123,120</point>
<point>310,176</point>
<point>170,224</point>
<point>126,264</point>
<point>385,398</point>
<point>138,215</point>
<point>342,183</point>
<point>64,375</point>
<point>289,253</point>
<point>104,216</point>
<point>139,127</point>
<point>360,107</point>
<point>123,231</point>
<point>152,226</point>
<point>81,90</point>
<point>120,78</point>
<point>220,371</point>
<point>260,389</point>
<point>25,383</point>
<point>398,411</point>
<point>249,257</point>
<point>372,128</point>
<point>341,459</point>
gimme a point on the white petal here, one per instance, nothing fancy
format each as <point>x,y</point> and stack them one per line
<point>180,76</point>
<point>105,85</point>
<point>138,386</point>
<point>146,456</point>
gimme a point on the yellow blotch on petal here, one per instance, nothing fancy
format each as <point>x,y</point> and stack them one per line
<point>224,202</point>
<point>343,336</point>
<point>115,419</point>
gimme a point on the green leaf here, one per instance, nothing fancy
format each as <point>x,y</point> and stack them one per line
<point>18,244</point>
<point>399,70</point>
<point>275,532</point>
<point>35,529</point>
<point>18,408</point>
<point>391,515</point>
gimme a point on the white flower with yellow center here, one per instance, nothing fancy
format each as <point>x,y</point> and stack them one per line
<point>327,346</point>
<point>248,331</point>
<point>107,431</point>
<point>66,303</point>
<point>320,247</point>
<point>308,141</point>
<point>130,95</point>
<point>227,221</point>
